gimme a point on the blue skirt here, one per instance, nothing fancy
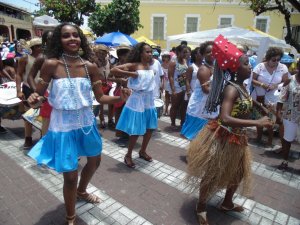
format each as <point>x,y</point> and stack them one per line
<point>60,150</point>
<point>192,126</point>
<point>137,123</point>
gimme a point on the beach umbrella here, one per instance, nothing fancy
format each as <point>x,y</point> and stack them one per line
<point>116,39</point>
<point>146,40</point>
<point>286,59</point>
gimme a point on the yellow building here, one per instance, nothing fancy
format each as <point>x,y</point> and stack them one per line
<point>162,18</point>
<point>15,23</point>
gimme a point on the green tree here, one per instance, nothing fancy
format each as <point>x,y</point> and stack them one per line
<point>119,15</point>
<point>284,7</point>
<point>67,10</point>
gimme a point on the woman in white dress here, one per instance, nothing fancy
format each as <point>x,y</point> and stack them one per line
<point>191,74</point>
<point>73,128</point>
<point>139,116</point>
<point>196,115</point>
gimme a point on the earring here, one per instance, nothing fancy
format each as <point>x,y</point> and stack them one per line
<point>235,77</point>
<point>80,51</point>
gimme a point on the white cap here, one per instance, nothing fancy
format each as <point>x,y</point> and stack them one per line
<point>113,52</point>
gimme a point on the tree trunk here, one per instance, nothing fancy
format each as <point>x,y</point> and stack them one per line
<point>288,38</point>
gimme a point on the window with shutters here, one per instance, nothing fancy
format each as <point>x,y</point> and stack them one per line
<point>191,24</point>
<point>158,28</point>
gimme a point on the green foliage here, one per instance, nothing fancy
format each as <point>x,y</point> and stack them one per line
<point>119,15</point>
<point>279,6</point>
<point>67,10</point>
<point>257,5</point>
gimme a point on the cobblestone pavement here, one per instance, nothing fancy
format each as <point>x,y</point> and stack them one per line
<point>152,193</point>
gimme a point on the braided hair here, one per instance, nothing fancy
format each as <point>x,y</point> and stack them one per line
<point>220,80</point>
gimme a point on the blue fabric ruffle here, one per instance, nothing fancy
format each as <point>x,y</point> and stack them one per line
<point>192,126</point>
<point>60,150</point>
<point>137,123</point>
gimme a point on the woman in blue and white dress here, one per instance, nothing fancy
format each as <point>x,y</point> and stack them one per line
<point>73,130</point>
<point>139,116</point>
<point>196,116</point>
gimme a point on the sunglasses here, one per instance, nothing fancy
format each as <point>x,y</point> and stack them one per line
<point>275,60</point>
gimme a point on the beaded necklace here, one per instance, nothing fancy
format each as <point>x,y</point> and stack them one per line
<point>72,87</point>
<point>241,90</point>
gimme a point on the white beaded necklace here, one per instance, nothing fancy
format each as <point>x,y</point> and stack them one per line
<point>72,87</point>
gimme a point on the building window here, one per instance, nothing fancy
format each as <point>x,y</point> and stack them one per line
<point>225,21</point>
<point>158,28</point>
<point>262,23</point>
<point>191,24</point>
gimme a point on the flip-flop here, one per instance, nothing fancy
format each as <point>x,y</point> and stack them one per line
<point>235,208</point>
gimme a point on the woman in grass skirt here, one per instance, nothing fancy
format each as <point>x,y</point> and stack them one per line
<point>219,157</point>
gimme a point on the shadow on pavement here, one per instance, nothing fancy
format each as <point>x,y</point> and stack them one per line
<point>183,158</point>
<point>57,217</point>
<point>273,154</point>
<point>121,168</point>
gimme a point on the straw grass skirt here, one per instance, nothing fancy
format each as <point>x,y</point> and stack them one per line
<point>220,158</point>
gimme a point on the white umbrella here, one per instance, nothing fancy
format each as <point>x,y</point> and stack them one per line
<point>45,22</point>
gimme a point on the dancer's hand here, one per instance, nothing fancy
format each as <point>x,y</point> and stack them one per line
<point>265,122</point>
<point>272,87</point>
<point>21,95</point>
<point>35,100</point>
<point>125,93</point>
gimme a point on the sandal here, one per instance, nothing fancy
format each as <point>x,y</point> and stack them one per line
<point>235,208</point>
<point>71,219</point>
<point>146,157</point>
<point>130,165</point>
<point>90,198</point>
<point>283,166</point>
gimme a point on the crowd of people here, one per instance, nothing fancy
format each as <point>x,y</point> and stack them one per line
<point>216,90</point>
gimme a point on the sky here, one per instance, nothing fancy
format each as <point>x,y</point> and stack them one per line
<point>30,6</point>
